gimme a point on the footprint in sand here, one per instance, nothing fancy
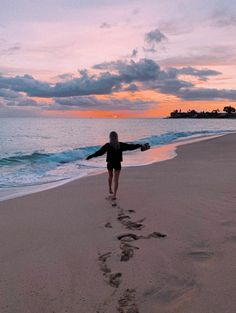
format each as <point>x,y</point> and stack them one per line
<point>108,225</point>
<point>115,280</point>
<point>127,251</point>
<point>102,259</point>
<point>131,211</point>
<point>155,234</point>
<point>128,237</point>
<point>125,220</point>
<point>127,303</point>
<point>123,217</point>
<point>132,237</point>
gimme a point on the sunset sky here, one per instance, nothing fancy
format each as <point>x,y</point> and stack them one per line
<point>116,58</point>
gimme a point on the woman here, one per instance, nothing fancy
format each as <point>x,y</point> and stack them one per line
<point>114,150</point>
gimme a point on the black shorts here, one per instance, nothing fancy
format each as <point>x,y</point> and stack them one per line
<point>116,166</point>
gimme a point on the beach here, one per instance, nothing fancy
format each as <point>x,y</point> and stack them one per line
<point>166,245</point>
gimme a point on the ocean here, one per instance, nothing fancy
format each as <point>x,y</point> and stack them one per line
<point>37,153</point>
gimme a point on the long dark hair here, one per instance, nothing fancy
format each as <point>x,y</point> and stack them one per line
<point>114,142</point>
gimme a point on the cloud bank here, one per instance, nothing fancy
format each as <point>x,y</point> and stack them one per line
<point>81,92</point>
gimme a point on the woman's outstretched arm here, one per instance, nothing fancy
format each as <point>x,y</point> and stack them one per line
<point>134,146</point>
<point>130,146</point>
<point>100,152</point>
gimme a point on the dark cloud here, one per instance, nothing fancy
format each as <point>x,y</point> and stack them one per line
<point>151,76</point>
<point>169,86</point>
<point>25,84</point>
<point>8,94</point>
<point>120,75</point>
<point>134,53</point>
<point>12,98</point>
<point>22,102</point>
<point>207,94</point>
<point>143,70</point>
<point>105,65</point>
<point>15,104</point>
<point>154,37</point>
<point>147,69</point>
<point>106,83</point>
<point>74,90</point>
<point>202,74</point>
<point>195,72</point>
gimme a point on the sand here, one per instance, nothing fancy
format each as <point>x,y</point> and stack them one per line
<point>168,244</point>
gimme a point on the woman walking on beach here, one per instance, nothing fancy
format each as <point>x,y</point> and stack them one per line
<point>114,150</point>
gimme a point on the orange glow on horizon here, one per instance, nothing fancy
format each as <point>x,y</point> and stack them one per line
<point>88,114</point>
<point>161,106</point>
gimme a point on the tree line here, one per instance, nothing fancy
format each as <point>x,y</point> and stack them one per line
<point>228,112</point>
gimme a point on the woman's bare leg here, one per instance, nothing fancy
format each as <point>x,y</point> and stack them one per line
<point>116,182</point>
<point>110,177</point>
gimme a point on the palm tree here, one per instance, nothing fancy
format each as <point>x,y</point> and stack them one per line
<point>229,109</point>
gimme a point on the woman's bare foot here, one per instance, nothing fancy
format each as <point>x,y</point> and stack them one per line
<point>110,191</point>
<point>113,198</point>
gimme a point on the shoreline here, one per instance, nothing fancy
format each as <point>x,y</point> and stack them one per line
<point>170,151</point>
<point>166,245</point>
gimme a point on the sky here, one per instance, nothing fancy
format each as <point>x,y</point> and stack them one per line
<point>116,58</point>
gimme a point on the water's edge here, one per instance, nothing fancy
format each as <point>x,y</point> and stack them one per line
<point>170,153</point>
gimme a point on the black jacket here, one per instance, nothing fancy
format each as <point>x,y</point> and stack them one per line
<point>114,155</point>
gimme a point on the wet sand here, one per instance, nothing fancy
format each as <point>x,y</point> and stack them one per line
<point>166,245</point>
